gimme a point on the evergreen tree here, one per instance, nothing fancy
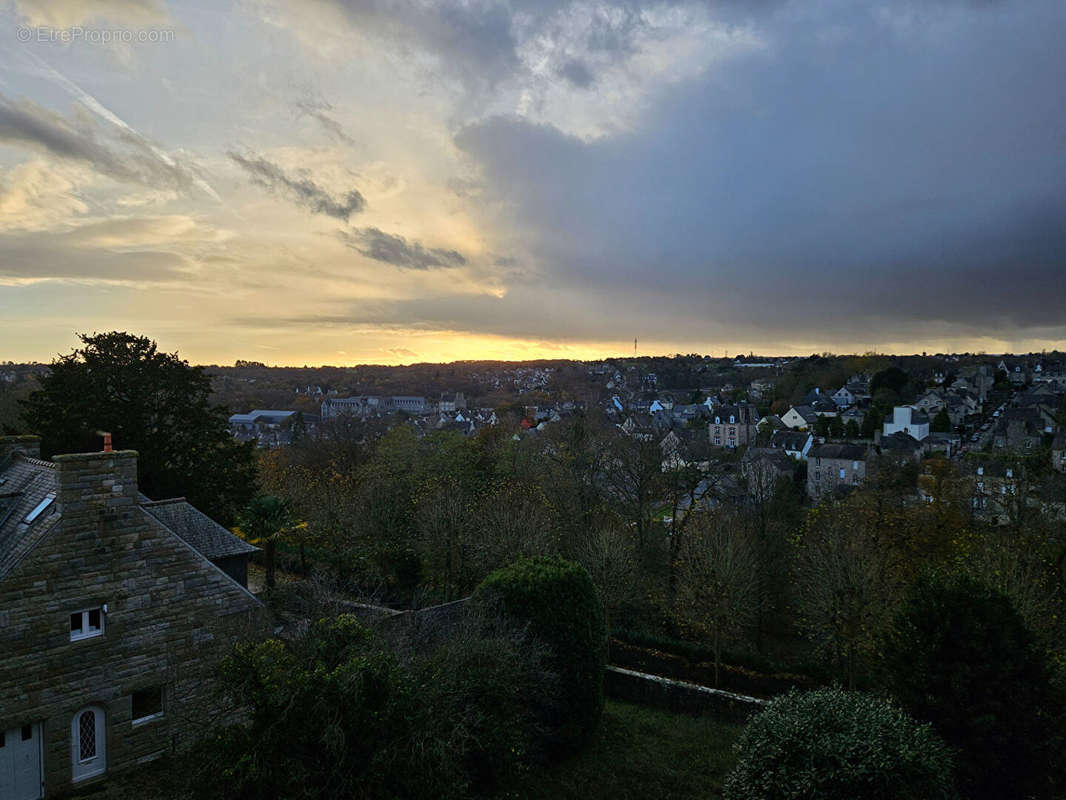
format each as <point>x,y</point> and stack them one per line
<point>941,422</point>
<point>151,402</point>
<point>958,655</point>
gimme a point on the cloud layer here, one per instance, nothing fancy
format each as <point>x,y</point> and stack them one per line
<point>776,175</point>
<point>300,189</point>
<point>399,252</point>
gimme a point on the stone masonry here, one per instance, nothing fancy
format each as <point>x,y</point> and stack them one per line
<point>168,615</point>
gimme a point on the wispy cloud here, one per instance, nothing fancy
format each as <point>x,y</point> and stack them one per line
<point>64,13</point>
<point>127,157</point>
<point>300,189</point>
<point>317,109</point>
<point>396,250</point>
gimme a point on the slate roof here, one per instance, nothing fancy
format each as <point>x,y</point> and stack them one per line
<point>806,412</point>
<point>197,529</point>
<point>789,440</point>
<point>847,452</point>
<point>26,482</point>
<point>768,454</point>
<point>900,441</point>
<point>774,421</point>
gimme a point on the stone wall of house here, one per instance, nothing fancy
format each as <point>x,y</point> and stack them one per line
<point>27,445</point>
<point>823,475</point>
<point>169,615</point>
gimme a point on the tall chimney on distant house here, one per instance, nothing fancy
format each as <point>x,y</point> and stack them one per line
<point>107,443</point>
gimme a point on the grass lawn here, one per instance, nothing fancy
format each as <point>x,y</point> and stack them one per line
<point>642,753</point>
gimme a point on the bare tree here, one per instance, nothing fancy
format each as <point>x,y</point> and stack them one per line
<point>844,585</point>
<point>609,555</point>
<point>634,480</point>
<point>691,486</point>
<point>718,581</point>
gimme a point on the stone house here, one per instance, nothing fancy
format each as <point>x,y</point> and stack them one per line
<point>795,444</point>
<point>1019,429</point>
<point>800,418</point>
<point>931,402</point>
<point>1058,452</point>
<point>997,492</point>
<point>844,398</point>
<point>762,468</point>
<point>733,426</point>
<point>111,618</point>
<point>451,401</point>
<point>834,467</point>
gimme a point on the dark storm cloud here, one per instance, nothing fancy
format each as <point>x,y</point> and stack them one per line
<point>396,250</point>
<point>300,189</point>
<point>904,164</point>
<point>117,153</point>
<point>480,42</point>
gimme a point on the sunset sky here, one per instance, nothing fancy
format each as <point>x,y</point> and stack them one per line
<point>330,182</point>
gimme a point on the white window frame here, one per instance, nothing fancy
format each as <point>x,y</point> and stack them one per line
<point>86,631</point>
<point>150,717</point>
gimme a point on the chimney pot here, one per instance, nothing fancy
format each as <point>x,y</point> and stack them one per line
<point>107,443</point>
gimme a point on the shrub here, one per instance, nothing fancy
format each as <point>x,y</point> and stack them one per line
<point>829,744</point>
<point>959,656</point>
<point>342,712</point>
<point>322,712</point>
<point>558,601</point>
<point>479,688</point>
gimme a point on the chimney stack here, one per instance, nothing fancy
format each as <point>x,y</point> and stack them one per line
<point>107,443</point>
<point>26,445</point>
<point>96,485</point>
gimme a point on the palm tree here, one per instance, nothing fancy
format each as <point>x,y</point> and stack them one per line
<point>264,520</point>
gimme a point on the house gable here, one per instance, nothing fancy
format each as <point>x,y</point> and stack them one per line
<point>167,614</point>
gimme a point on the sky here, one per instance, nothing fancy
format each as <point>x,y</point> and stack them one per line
<point>376,181</point>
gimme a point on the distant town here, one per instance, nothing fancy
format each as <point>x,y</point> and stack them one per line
<point>705,541</point>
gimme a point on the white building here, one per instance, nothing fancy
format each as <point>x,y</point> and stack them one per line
<point>906,419</point>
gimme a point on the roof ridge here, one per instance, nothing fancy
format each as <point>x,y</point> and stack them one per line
<point>164,502</point>
<point>40,462</point>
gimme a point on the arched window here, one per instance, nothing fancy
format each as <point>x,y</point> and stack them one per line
<point>88,743</point>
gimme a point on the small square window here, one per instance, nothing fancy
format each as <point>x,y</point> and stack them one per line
<point>86,624</point>
<point>27,732</point>
<point>147,704</point>
<point>2,742</point>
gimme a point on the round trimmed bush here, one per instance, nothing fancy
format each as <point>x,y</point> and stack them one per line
<point>829,744</point>
<point>557,601</point>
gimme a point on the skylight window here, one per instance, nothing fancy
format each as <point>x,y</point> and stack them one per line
<point>40,507</point>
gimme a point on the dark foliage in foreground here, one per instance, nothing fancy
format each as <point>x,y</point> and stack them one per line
<point>835,745</point>
<point>558,601</point>
<point>342,712</point>
<point>959,656</point>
